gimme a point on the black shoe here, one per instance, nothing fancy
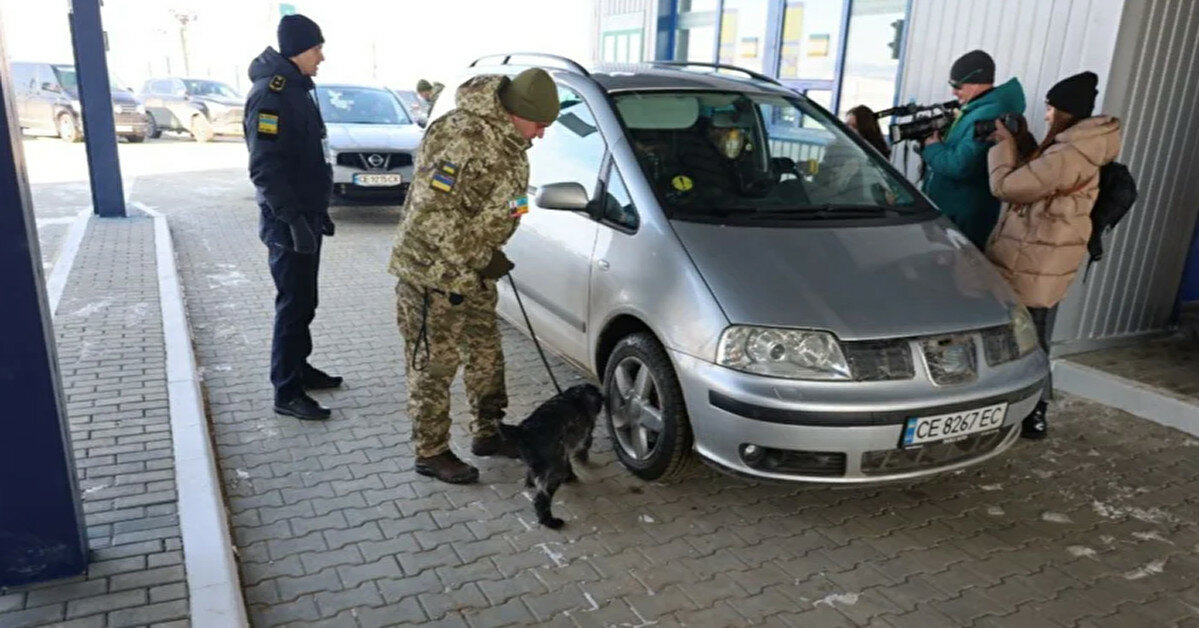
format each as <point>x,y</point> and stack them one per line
<point>1035,426</point>
<point>316,379</point>
<point>303,407</point>
<point>494,445</point>
<point>447,468</point>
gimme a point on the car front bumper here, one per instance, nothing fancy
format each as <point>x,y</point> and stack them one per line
<point>344,186</point>
<point>847,432</point>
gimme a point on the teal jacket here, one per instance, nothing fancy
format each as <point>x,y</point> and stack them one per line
<point>955,172</point>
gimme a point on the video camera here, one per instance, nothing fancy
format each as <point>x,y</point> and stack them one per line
<point>923,120</point>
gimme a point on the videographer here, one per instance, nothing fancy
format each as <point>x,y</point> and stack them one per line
<point>955,175</point>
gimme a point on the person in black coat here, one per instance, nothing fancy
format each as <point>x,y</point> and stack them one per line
<point>285,134</point>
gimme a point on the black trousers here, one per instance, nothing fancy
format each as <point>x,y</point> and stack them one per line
<point>1043,318</point>
<point>295,307</point>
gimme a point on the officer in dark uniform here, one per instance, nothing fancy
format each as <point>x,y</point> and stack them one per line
<point>285,133</point>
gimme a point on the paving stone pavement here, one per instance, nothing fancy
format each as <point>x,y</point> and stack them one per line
<point>1094,527</point>
<point>1170,364</point>
<point>112,361</point>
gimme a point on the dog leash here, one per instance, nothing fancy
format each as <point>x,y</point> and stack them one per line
<point>536,343</point>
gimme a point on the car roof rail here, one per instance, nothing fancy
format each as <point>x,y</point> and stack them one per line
<point>719,66</point>
<point>570,64</point>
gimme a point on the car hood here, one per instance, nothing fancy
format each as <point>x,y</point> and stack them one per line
<point>220,100</point>
<point>374,136</point>
<point>859,283</point>
<point>122,97</point>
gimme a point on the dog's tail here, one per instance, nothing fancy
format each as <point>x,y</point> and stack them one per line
<point>513,433</point>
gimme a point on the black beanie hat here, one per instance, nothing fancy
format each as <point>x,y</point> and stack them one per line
<point>297,34</point>
<point>1075,94</point>
<point>975,66</point>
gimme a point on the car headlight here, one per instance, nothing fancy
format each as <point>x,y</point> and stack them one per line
<point>1024,330</point>
<point>77,106</point>
<point>788,353</point>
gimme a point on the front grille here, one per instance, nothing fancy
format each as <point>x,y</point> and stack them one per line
<point>119,109</point>
<point>951,359</point>
<point>362,161</point>
<point>888,461</point>
<point>999,345</point>
<point>879,360</point>
<point>131,117</point>
<point>817,463</point>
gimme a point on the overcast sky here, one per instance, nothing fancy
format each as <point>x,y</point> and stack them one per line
<point>393,41</point>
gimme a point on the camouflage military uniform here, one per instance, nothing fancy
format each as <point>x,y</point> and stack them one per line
<point>464,203</point>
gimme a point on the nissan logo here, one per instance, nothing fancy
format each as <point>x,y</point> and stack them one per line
<point>375,160</point>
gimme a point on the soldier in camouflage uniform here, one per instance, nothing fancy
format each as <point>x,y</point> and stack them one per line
<point>469,191</point>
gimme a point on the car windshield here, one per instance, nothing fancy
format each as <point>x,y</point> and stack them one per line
<point>360,105</point>
<point>210,88</point>
<point>724,153</point>
<point>70,80</point>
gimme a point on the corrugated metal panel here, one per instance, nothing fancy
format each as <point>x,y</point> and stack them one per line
<point>1155,91</point>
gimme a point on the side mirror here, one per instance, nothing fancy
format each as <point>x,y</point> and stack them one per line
<point>50,87</point>
<point>568,196</point>
<point>422,122</point>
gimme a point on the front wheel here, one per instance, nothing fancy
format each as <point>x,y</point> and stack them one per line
<point>647,419</point>
<point>67,129</point>
<point>201,129</point>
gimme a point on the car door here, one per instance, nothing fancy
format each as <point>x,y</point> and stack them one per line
<point>24,84</point>
<point>47,92</point>
<point>551,248</point>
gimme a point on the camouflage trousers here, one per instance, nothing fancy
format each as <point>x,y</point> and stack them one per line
<point>438,337</point>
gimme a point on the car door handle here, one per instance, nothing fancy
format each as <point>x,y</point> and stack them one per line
<point>603,264</point>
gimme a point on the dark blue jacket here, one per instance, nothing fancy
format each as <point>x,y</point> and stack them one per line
<point>285,135</point>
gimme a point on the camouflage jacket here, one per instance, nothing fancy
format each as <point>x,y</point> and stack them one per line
<point>469,188</point>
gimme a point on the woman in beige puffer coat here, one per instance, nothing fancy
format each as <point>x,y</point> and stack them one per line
<point>1041,237</point>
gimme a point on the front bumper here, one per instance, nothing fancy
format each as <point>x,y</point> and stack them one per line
<point>847,432</point>
<point>345,188</point>
<point>131,124</point>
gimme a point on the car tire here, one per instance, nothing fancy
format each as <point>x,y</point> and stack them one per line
<point>152,130</point>
<point>201,129</point>
<point>646,415</point>
<point>68,130</point>
<point>136,139</point>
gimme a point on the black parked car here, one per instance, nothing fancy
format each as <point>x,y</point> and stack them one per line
<point>47,96</point>
<point>202,107</point>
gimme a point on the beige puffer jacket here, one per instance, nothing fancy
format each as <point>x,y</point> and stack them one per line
<point>1041,238</point>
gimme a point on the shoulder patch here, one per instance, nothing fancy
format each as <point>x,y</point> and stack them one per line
<point>278,82</point>
<point>444,177</point>
<point>268,124</point>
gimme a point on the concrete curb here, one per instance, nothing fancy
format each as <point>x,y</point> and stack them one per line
<point>1125,394</point>
<point>212,579</point>
<point>56,283</point>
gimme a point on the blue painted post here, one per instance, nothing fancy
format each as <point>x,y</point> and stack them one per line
<point>668,24</point>
<point>95,94</point>
<point>41,521</point>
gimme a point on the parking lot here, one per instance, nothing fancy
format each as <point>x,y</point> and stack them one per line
<point>1095,526</point>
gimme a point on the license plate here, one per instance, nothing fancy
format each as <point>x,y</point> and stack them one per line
<point>377,180</point>
<point>953,426</point>
<point>124,128</point>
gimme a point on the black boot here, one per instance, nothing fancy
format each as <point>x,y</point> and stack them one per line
<point>1035,426</point>
<point>304,408</point>
<point>448,468</point>
<point>316,379</point>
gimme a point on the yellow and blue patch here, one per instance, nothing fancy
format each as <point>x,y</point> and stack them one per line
<point>442,182</point>
<point>519,206</point>
<point>268,123</point>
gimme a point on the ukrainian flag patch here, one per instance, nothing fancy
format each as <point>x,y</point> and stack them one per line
<point>449,168</point>
<point>519,206</point>
<point>442,182</point>
<point>268,123</point>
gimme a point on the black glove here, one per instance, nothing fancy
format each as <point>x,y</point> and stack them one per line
<point>498,266</point>
<point>327,227</point>
<point>302,238</point>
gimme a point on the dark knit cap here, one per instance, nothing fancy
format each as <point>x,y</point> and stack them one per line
<point>975,67</point>
<point>424,86</point>
<point>1075,94</point>
<point>297,34</point>
<point>531,95</point>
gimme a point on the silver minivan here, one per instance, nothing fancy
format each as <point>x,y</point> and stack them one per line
<point>755,286</point>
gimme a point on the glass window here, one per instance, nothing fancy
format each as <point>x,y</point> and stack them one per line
<point>743,34</point>
<point>713,154</point>
<point>696,44</point>
<point>162,87</point>
<point>210,88</point>
<point>872,54</point>
<point>360,105</point>
<point>618,208</point>
<point>24,78</point>
<point>572,149</point>
<point>811,38</point>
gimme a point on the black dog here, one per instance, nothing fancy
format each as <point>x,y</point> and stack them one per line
<point>558,428</point>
